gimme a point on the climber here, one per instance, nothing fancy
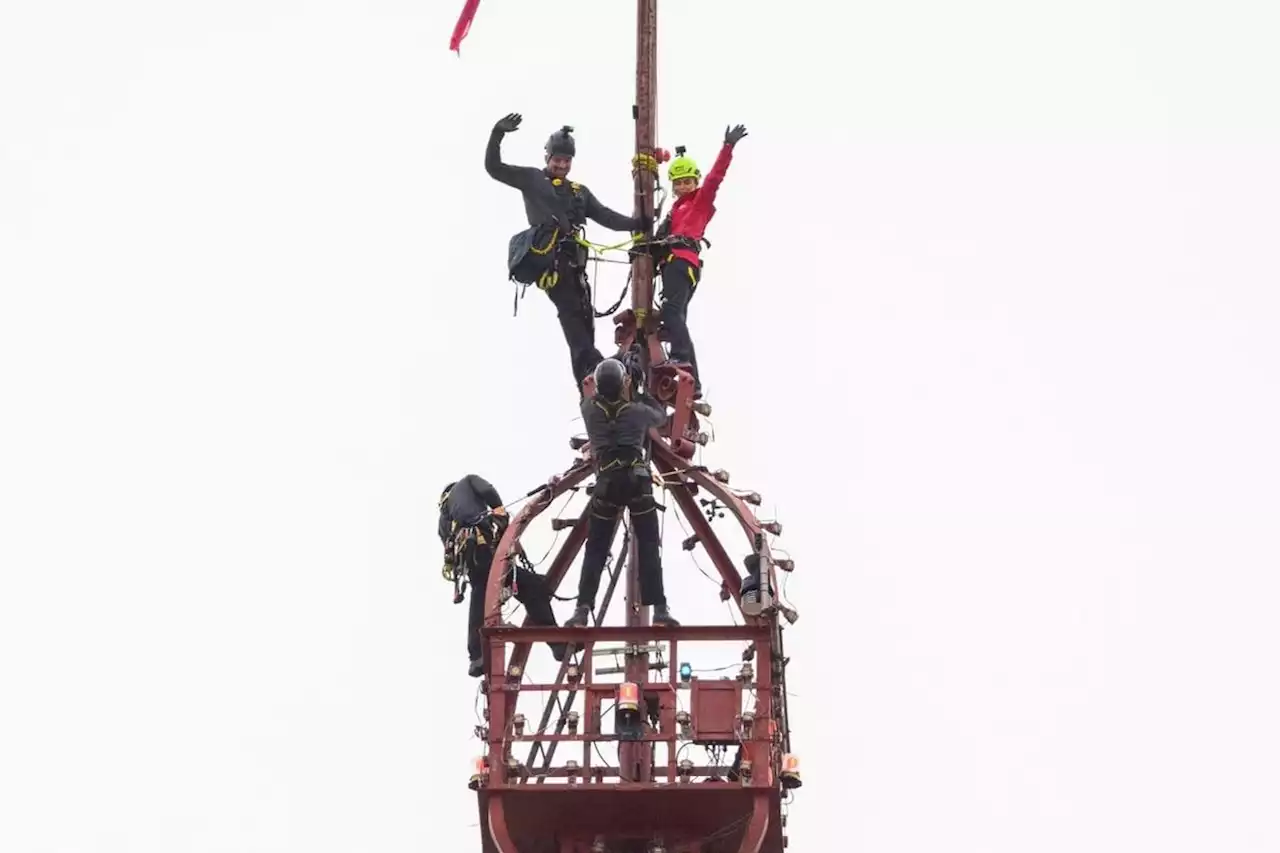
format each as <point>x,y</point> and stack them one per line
<point>618,430</point>
<point>679,241</point>
<point>547,252</point>
<point>472,521</point>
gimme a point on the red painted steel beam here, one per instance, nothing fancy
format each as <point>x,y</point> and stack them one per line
<point>668,460</point>
<point>753,838</point>
<point>498,830</point>
<point>511,538</point>
<point>601,738</point>
<point>508,546</point>
<point>741,510</point>
<point>751,527</point>
<point>611,686</point>
<point>729,574</point>
<point>501,704</point>
<point>627,633</point>
<point>555,574</point>
<point>637,790</point>
<point>555,699</point>
<point>700,771</point>
<point>632,754</point>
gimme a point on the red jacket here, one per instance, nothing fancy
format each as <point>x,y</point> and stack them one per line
<point>690,215</point>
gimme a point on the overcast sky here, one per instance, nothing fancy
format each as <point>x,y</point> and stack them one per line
<point>989,317</point>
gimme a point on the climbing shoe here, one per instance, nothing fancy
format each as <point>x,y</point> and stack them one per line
<point>476,669</point>
<point>662,616</point>
<point>559,650</point>
<point>580,617</point>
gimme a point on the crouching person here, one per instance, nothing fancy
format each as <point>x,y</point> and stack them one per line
<point>472,521</point>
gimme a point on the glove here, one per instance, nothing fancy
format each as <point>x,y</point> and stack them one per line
<point>732,136</point>
<point>509,123</point>
<point>499,510</point>
<point>634,364</point>
<point>498,523</point>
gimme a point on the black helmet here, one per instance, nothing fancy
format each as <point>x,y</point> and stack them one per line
<point>560,144</point>
<point>609,376</point>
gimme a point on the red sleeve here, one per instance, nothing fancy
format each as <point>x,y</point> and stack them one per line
<point>712,184</point>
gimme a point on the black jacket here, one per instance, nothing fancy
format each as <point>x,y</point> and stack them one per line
<point>469,499</point>
<point>545,202</point>
<point>619,432</point>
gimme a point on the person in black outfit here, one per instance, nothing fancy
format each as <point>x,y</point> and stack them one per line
<point>618,430</point>
<point>472,521</point>
<point>546,252</point>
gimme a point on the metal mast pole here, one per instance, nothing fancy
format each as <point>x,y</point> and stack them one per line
<point>645,113</point>
<point>636,759</point>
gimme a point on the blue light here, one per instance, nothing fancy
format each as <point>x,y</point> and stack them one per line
<point>686,672</point>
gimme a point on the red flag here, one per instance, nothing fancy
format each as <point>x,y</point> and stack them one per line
<point>464,24</point>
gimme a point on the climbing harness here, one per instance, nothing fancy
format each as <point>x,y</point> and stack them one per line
<point>635,459</point>
<point>664,241</point>
<point>460,550</point>
<point>533,254</point>
<point>539,266</point>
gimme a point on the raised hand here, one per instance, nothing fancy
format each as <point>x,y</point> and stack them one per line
<point>509,123</point>
<point>734,135</point>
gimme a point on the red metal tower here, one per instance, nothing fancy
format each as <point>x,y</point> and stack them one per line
<point>652,800</point>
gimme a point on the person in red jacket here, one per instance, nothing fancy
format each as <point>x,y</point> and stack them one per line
<point>681,236</point>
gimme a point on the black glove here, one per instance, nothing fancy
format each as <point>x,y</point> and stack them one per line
<point>633,361</point>
<point>733,135</point>
<point>508,123</point>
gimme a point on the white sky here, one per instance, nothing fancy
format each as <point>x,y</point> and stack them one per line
<point>1010,266</point>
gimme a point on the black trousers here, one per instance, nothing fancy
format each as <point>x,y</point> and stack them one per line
<point>572,299</point>
<point>679,281</point>
<point>531,591</point>
<point>630,488</point>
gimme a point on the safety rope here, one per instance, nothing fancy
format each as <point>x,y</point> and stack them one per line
<point>617,303</point>
<point>596,259</point>
<point>597,247</point>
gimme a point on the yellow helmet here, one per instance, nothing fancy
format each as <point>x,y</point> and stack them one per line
<point>682,167</point>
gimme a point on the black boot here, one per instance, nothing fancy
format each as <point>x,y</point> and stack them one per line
<point>581,617</point>
<point>559,650</point>
<point>476,669</point>
<point>662,616</point>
